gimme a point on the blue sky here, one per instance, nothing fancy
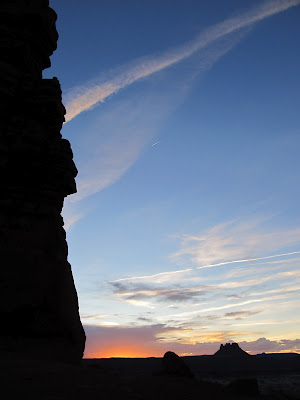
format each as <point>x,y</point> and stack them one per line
<point>183,117</point>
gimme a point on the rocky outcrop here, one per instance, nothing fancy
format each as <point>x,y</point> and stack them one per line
<point>173,365</point>
<point>231,350</point>
<point>38,299</point>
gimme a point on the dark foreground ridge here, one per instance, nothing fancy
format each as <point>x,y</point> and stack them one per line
<point>205,366</point>
<point>170,377</point>
<point>38,381</point>
<point>38,300</point>
<point>263,376</point>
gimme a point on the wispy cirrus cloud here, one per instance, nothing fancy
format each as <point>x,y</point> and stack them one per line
<point>188,274</point>
<point>218,246</point>
<point>118,136</point>
<point>248,260</point>
<point>141,292</point>
<point>287,287</point>
<point>264,266</point>
<point>260,300</point>
<point>209,314</point>
<point>273,346</point>
<point>138,292</point>
<point>93,316</point>
<point>84,98</point>
<point>160,277</point>
<point>98,320</point>
<point>240,314</point>
<point>111,155</point>
<point>257,291</point>
<point>128,127</point>
<point>234,242</point>
<point>116,140</point>
<point>250,283</point>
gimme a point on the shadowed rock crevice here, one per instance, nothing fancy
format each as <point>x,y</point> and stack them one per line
<point>38,299</point>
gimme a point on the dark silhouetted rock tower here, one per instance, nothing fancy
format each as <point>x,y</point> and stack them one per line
<point>231,350</point>
<point>38,300</point>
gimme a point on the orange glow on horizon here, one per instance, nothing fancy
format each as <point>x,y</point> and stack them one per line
<point>122,352</point>
<point>125,351</point>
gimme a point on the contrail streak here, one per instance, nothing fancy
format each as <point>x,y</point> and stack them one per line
<point>246,260</point>
<point>88,97</point>
<point>181,271</point>
<point>155,276</point>
<point>246,302</point>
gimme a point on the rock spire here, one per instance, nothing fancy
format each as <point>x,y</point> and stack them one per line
<point>231,350</point>
<point>38,300</point>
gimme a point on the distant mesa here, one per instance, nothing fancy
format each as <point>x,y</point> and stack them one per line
<point>231,350</point>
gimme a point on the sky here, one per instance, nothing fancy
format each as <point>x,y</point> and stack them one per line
<point>183,117</point>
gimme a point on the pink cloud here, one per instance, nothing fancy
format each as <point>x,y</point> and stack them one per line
<point>263,345</point>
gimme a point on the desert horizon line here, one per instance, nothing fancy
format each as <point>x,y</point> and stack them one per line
<point>119,351</point>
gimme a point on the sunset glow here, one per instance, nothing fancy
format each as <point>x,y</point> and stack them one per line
<point>184,122</point>
<point>121,352</point>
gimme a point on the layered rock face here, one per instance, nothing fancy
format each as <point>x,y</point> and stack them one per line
<point>38,300</point>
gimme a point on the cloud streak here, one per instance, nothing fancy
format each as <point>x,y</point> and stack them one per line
<point>158,278</point>
<point>128,126</point>
<point>84,98</point>
<point>141,295</point>
<point>189,296</point>
<point>180,274</point>
<point>247,260</point>
<point>217,247</point>
<point>234,243</point>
